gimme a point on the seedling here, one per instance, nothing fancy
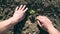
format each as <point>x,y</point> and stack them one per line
<point>32,12</point>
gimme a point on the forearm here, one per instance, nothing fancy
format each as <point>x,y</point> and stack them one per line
<point>6,25</point>
<point>53,30</point>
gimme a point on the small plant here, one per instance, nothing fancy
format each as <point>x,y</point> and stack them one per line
<point>32,12</point>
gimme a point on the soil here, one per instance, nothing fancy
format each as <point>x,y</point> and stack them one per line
<point>49,8</point>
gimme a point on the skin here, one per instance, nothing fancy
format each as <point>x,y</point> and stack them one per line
<point>19,14</point>
<point>46,24</point>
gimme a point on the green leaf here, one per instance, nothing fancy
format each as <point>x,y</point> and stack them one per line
<point>32,12</point>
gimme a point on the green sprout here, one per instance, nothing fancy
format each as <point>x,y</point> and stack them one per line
<point>32,12</point>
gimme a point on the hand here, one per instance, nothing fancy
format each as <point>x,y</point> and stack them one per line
<point>44,22</point>
<point>20,13</point>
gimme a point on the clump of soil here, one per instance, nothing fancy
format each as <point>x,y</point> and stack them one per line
<point>49,8</point>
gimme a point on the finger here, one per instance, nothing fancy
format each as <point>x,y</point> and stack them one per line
<point>20,7</point>
<point>39,23</point>
<point>41,19</point>
<point>23,7</point>
<point>16,8</point>
<point>38,17</point>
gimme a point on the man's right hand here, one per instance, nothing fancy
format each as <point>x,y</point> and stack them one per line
<point>46,24</point>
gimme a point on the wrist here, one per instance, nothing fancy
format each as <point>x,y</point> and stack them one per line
<point>53,30</point>
<point>12,20</point>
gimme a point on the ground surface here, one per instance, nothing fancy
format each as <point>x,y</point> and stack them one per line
<point>49,8</point>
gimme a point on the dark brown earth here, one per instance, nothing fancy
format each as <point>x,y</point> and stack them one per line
<point>49,8</point>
